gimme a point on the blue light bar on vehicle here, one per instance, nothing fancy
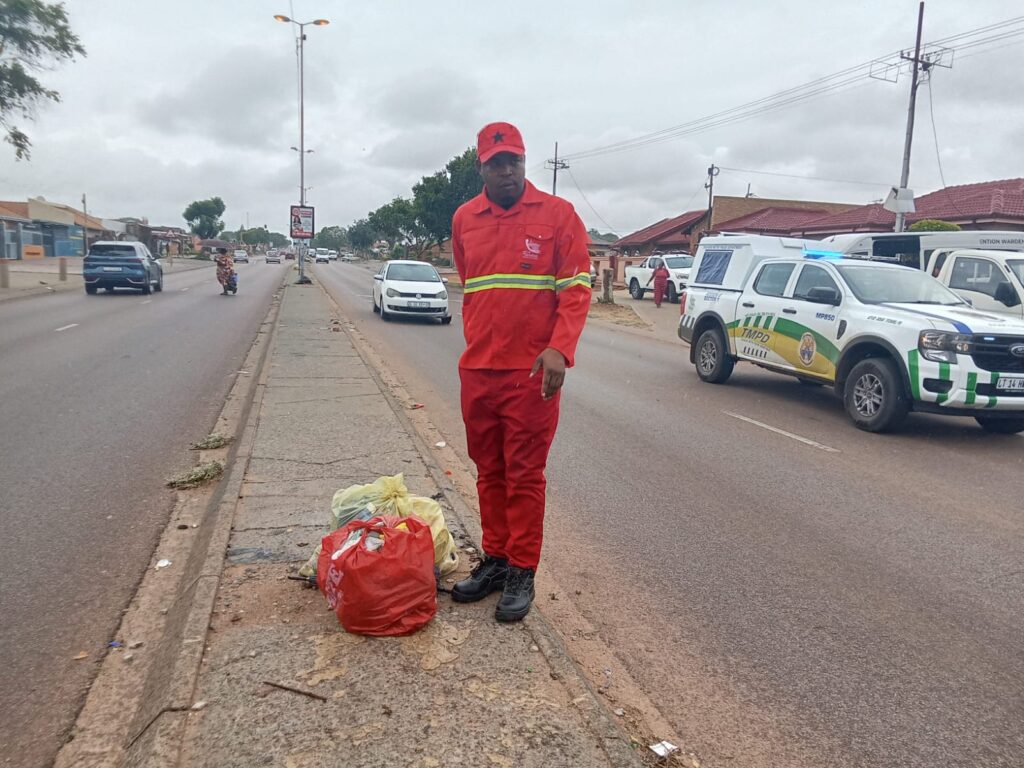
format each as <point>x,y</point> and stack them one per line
<point>816,254</point>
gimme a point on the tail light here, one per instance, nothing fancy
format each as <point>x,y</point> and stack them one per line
<point>682,303</point>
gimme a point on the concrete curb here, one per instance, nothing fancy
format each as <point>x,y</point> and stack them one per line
<point>170,686</point>
<point>614,741</point>
<point>160,692</point>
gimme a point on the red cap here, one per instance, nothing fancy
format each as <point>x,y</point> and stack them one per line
<point>498,137</point>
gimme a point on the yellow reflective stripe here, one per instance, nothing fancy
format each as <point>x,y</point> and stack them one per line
<point>583,278</point>
<point>505,280</point>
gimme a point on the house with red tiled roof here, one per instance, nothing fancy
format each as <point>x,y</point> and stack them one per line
<point>988,205</point>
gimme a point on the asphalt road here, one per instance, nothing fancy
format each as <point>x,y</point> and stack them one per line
<point>817,596</point>
<point>100,398</point>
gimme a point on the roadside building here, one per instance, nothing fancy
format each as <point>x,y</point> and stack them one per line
<point>39,228</point>
<point>992,205</point>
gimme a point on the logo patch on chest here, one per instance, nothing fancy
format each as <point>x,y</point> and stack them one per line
<point>531,249</point>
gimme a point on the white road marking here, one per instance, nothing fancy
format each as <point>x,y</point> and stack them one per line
<point>65,327</point>
<point>147,301</point>
<point>184,289</point>
<point>784,433</point>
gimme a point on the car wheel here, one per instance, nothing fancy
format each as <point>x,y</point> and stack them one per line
<point>998,426</point>
<point>874,396</point>
<point>373,298</point>
<point>148,287</point>
<point>714,365</point>
<point>159,283</point>
<point>446,320</point>
<point>672,294</point>
<point>91,290</point>
<point>635,290</point>
<point>384,312</point>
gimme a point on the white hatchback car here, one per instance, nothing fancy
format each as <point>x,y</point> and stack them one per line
<point>411,289</point>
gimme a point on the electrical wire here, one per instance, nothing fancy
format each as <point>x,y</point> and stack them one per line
<point>938,154</point>
<point>589,204</point>
<point>836,82</point>
<point>809,178</point>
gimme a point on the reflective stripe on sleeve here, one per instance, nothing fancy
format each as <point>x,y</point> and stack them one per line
<point>583,278</point>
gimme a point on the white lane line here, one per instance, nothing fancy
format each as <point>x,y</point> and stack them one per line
<point>784,433</point>
<point>184,289</point>
<point>147,301</point>
<point>65,327</point>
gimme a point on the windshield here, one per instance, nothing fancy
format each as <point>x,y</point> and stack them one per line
<point>1017,265</point>
<point>413,273</point>
<point>679,262</point>
<point>885,285</point>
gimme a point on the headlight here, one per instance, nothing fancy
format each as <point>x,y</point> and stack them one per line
<point>392,293</point>
<point>942,346</point>
<point>443,295</point>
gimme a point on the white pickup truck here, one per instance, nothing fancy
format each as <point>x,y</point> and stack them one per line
<point>889,339</point>
<point>679,264</point>
<point>992,281</point>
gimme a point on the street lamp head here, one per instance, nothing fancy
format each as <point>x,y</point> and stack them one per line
<point>321,22</point>
<point>280,17</point>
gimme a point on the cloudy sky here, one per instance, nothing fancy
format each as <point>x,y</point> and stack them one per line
<point>186,99</point>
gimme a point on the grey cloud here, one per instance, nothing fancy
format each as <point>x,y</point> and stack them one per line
<point>431,97</point>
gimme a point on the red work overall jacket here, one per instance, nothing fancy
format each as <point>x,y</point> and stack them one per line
<point>526,278</point>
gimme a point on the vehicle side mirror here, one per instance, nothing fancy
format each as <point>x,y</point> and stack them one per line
<point>1005,294</point>
<point>444,280</point>
<point>824,295</point>
<point>379,277</point>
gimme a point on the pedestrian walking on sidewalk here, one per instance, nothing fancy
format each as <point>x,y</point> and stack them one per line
<point>660,278</point>
<point>523,261</point>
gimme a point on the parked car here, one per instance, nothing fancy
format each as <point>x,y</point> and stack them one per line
<point>412,289</point>
<point>886,338</point>
<point>678,264</point>
<point>273,257</point>
<point>349,257</point>
<point>241,256</point>
<point>115,264</point>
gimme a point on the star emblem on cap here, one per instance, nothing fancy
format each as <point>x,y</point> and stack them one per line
<point>498,137</point>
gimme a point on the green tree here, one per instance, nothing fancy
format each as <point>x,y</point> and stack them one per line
<point>602,237</point>
<point>934,225</point>
<point>361,235</point>
<point>277,240</point>
<point>33,35</point>
<point>203,217</point>
<point>333,237</point>
<point>397,221</point>
<point>437,197</point>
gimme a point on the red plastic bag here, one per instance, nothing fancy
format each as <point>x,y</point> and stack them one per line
<point>380,590</point>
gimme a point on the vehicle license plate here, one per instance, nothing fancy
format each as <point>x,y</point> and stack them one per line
<point>425,304</point>
<point>1010,385</point>
<point>111,269</point>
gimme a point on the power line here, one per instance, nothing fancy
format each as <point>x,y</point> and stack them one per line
<point>809,178</point>
<point>938,154</point>
<point>816,88</point>
<point>589,205</point>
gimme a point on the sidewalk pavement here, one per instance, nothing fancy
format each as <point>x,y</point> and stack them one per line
<point>464,691</point>
<point>33,278</point>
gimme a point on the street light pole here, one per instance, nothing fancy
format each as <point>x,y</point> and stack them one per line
<point>302,122</point>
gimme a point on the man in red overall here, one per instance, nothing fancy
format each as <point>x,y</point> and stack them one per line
<point>522,257</point>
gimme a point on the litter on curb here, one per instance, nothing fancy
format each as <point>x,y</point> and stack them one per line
<point>664,748</point>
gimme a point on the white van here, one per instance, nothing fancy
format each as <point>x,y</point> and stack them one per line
<point>915,248</point>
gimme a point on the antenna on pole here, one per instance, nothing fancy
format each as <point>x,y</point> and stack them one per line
<point>555,165</point>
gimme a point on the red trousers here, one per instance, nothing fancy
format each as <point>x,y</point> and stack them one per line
<point>659,290</point>
<point>509,429</point>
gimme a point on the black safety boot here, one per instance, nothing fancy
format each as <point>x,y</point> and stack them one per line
<point>517,595</point>
<point>488,576</point>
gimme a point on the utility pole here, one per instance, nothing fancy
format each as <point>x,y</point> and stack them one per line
<point>709,185</point>
<point>916,64</point>
<point>85,227</point>
<point>556,165</point>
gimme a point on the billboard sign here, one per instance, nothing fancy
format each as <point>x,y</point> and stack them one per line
<point>302,222</point>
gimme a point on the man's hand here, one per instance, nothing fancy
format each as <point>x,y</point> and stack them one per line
<point>553,363</point>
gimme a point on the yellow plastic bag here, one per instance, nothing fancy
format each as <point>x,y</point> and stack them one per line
<point>390,496</point>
